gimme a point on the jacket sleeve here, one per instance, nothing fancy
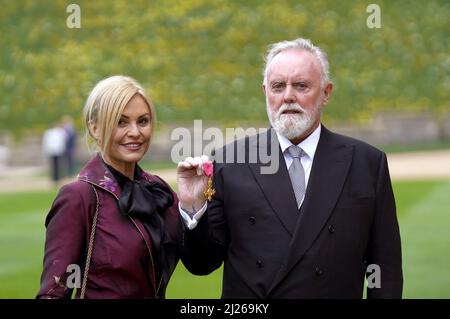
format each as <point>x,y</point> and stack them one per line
<point>204,247</point>
<point>65,243</point>
<point>385,246</point>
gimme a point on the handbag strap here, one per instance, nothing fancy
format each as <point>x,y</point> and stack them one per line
<point>90,247</point>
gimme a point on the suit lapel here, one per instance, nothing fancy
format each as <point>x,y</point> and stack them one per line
<point>276,187</point>
<point>328,173</point>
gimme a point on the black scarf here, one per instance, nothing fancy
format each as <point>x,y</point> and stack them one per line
<point>147,201</point>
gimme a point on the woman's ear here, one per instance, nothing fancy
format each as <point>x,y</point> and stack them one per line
<point>93,130</point>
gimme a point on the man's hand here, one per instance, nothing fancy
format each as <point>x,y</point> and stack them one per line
<point>192,183</point>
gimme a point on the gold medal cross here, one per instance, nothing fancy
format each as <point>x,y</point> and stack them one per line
<point>210,191</point>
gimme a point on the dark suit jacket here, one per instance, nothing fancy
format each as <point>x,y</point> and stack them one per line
<point>272,250</point>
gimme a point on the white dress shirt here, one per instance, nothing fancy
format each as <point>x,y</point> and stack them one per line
<point>308,145</point>
<point>191,223</point>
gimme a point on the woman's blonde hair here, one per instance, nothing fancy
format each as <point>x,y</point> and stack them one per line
<point>105,106</point>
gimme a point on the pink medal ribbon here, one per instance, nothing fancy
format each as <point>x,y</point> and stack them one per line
<point>207,168</point>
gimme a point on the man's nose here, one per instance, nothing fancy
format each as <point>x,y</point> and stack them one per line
<point>289,94</point>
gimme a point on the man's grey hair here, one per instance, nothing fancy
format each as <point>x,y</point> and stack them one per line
<point>301,44</point>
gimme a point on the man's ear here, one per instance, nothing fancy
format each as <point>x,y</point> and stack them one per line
<point>263,87</point>
<point>327,93</point>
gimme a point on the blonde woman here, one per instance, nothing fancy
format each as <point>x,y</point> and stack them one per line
<point>113,232</point>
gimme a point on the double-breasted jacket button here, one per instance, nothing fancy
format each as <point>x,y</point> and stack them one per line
<point>331,229</point>
<point>259,263</point>
<point>318,271</point>
<point>252,220</point>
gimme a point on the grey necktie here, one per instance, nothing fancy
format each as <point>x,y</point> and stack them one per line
<point>297,173</point>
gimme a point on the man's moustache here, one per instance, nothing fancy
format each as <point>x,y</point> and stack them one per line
<point>291,108</point>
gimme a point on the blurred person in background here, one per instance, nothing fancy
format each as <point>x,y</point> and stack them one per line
<point>117,223</point>
<point>71,143</point>
<point>54,146</point>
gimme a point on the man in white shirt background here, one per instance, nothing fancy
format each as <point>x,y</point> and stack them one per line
<point>54,147</point>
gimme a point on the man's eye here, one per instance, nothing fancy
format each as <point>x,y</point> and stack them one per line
<point>300,86</point>
<point>277,87</point>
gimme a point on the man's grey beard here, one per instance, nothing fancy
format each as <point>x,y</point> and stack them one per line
<point>295,125</point>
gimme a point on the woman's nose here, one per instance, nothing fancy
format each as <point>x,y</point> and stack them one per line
<point>133,130</point>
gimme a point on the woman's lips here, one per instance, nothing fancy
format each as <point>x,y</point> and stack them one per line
<point>132,146</point>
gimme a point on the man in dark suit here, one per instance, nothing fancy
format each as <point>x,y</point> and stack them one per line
<point>312,227</point>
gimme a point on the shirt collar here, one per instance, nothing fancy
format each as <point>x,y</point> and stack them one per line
<point>308,145</point>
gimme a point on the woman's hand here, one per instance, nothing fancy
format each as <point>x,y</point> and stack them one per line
<point>192,183</point>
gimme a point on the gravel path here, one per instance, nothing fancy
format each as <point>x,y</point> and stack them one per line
<point>420,165</point>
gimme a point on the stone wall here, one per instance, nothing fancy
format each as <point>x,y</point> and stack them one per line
<point>385,129</point>
<point>400,129</point>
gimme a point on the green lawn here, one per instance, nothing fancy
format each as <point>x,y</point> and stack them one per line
<point>423,209</point>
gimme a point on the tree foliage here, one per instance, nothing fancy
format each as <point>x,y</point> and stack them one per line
<point>203,58</point>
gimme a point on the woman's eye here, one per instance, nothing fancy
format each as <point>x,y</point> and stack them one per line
<point>144,121</point>
<point>122,123</point>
